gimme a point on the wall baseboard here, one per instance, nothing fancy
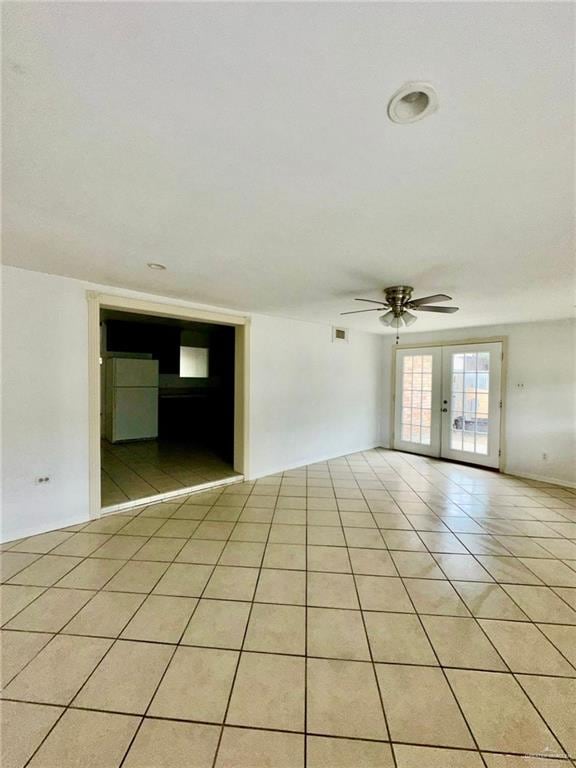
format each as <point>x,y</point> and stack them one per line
<point>507,473</point>
<point>124,507</point>
<point>37,530</point>
<point>309,461</point>
<point>541,479</point>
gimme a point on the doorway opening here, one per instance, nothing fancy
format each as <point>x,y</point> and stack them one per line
<point>167,401</point>
<point>167,405</point>
<point>448,402</point>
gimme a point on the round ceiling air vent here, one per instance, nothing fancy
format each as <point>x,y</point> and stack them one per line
<point>412,102</point>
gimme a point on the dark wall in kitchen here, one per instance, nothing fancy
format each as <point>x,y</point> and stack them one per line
<point>197,411</point>
<point>161,341</point>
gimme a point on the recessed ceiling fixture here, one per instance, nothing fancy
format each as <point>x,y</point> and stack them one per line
<point>412,102</point>
<point>398,301</point>
<point>153,265</point>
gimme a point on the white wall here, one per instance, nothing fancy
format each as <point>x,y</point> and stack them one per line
<point>540,401</point>
<point>44,403</point>
<point>310,398</point>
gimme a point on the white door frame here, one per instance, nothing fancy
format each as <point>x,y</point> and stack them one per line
<point>98,301</point>
<point>454,343</point>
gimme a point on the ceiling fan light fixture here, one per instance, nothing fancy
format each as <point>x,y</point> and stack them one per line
<point>388,318</point>
<point>396,309</point>
<point>409,318</point>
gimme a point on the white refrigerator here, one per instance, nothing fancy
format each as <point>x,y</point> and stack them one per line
<point>131,399</point>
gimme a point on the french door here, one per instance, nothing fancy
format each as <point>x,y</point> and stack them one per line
<point>447,402</point>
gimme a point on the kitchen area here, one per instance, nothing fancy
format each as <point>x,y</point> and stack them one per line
<point>167,404</point>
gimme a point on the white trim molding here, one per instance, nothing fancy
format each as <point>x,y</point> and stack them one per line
<point>98,301</point>
<point>168,495</point>
<point>542,479</point>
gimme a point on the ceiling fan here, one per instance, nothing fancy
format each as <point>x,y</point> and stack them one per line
<point>398,303</point>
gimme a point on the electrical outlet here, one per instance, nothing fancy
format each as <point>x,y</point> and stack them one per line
<point>544,456</point>
<point>42,480</point>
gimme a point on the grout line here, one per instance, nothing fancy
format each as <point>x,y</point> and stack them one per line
<point>287,481</point>
<point>162,676</point>
<point>179,643</point>
<point>67,706</point>
<point>468,726</point>
<point>369,645</point>
<point>568,753</point>
<point>364,740</point>
<point>166,496</point>
<point>119,456</point>
<point>242,644</point>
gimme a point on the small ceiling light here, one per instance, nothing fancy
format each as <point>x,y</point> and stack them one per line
<point>153,265</point>
<point>412,102</point>
<point>387,319</point>
<point>408,318</point>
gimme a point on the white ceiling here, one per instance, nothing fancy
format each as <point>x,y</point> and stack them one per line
<point>247,147</point>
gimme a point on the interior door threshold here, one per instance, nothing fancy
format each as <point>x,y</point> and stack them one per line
<point>169,495</point>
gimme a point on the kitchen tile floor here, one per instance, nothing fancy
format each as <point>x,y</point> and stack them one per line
<point>145,468</point>
<point>381,610</point>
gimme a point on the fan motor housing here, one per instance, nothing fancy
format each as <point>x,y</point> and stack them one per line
<point>397,296</point>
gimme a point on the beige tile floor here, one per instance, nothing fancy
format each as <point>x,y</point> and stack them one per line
<point>144,468</point>
<point>380,610</point>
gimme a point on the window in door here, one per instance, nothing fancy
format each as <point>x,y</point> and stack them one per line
<point>469,406</point>
<point>416,399</point>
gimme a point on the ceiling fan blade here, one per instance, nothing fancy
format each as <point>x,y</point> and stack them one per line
<point>446,310</point>
<point>373,301</point>
<point>429,300</point>
<point>356,311</point>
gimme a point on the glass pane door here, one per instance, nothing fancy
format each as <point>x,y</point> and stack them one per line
<point>418,380</point>
<point>471,403</point>
<point>447,402</point>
